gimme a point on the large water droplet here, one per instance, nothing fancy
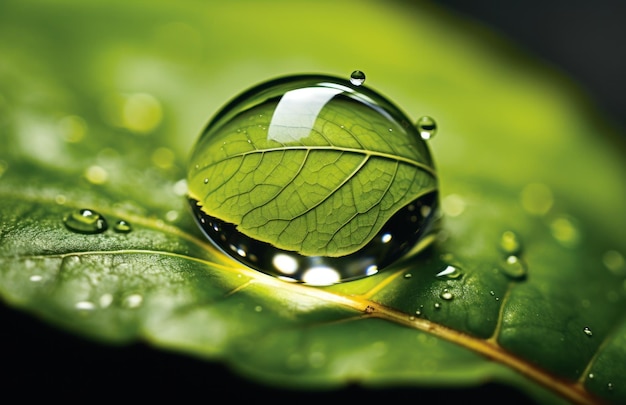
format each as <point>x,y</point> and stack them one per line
<point>513,267</point>
<point>85,221</point>
<point>262,165</point>
<point>357,78</point>
<point>427,127</point>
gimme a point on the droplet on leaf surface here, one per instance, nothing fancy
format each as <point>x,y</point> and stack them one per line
<point>357,78</point>
<point>301,178</point>
<point>85,221</point>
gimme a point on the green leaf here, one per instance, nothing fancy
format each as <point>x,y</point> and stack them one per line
<point>525,171</point>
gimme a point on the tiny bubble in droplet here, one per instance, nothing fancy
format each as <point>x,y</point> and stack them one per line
<point>357,78</point>
<point>427,127</point>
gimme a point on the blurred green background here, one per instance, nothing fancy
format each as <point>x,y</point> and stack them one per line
<point>157,71</point>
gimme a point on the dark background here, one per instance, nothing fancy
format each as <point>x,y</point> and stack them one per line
<point>584,39</point>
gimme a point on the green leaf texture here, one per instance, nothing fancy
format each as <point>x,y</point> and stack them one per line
<point>525,285</point>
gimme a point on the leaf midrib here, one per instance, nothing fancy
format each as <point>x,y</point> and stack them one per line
<point>368,153</point>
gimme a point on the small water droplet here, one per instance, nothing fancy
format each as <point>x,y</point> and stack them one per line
<point>206,181</point>
<point>85,221</point>
<point>437,305</point>
<point>122,226</point>
<point>510,243</point>
<point>258,308</point>
<point>408,275</point>
<point>357,78</point>
<point>427,127</point>
<point>513,267</point>
<point>587,331</point>
<point>451,272</point>
<point>446,295</point>
<point>610,386</point>
<point>591,376</point>
<point>35,278</point>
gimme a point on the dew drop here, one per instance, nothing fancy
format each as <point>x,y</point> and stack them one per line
<point>408,275</point>
<point>587,331</point>
<point>437,305</point>
<point>514,268</point>
<point>85,221</point>
<point>446,295</point>
<point>281,114</point>
<point>427,127</point>
<point>122,226</point>
<point>357,78</point>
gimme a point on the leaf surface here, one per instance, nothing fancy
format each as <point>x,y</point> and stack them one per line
<point>523,172</point>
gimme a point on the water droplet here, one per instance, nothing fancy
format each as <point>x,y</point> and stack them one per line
<point>408,275</point>
<point>587,331</point>
<point>451,272</point>
<point>609,386</point>
<point>85,221</point>
<point>510,243</point>
<point>279,236</point>
<point>514,268</point>
<point>122,226</point>
<point>591,376</point>
<point>35,278</point>
<point>446,295</point>
<point>357,78</point>
<point>258,308</point>
<point>437,305</point>
<point>427,127</point>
